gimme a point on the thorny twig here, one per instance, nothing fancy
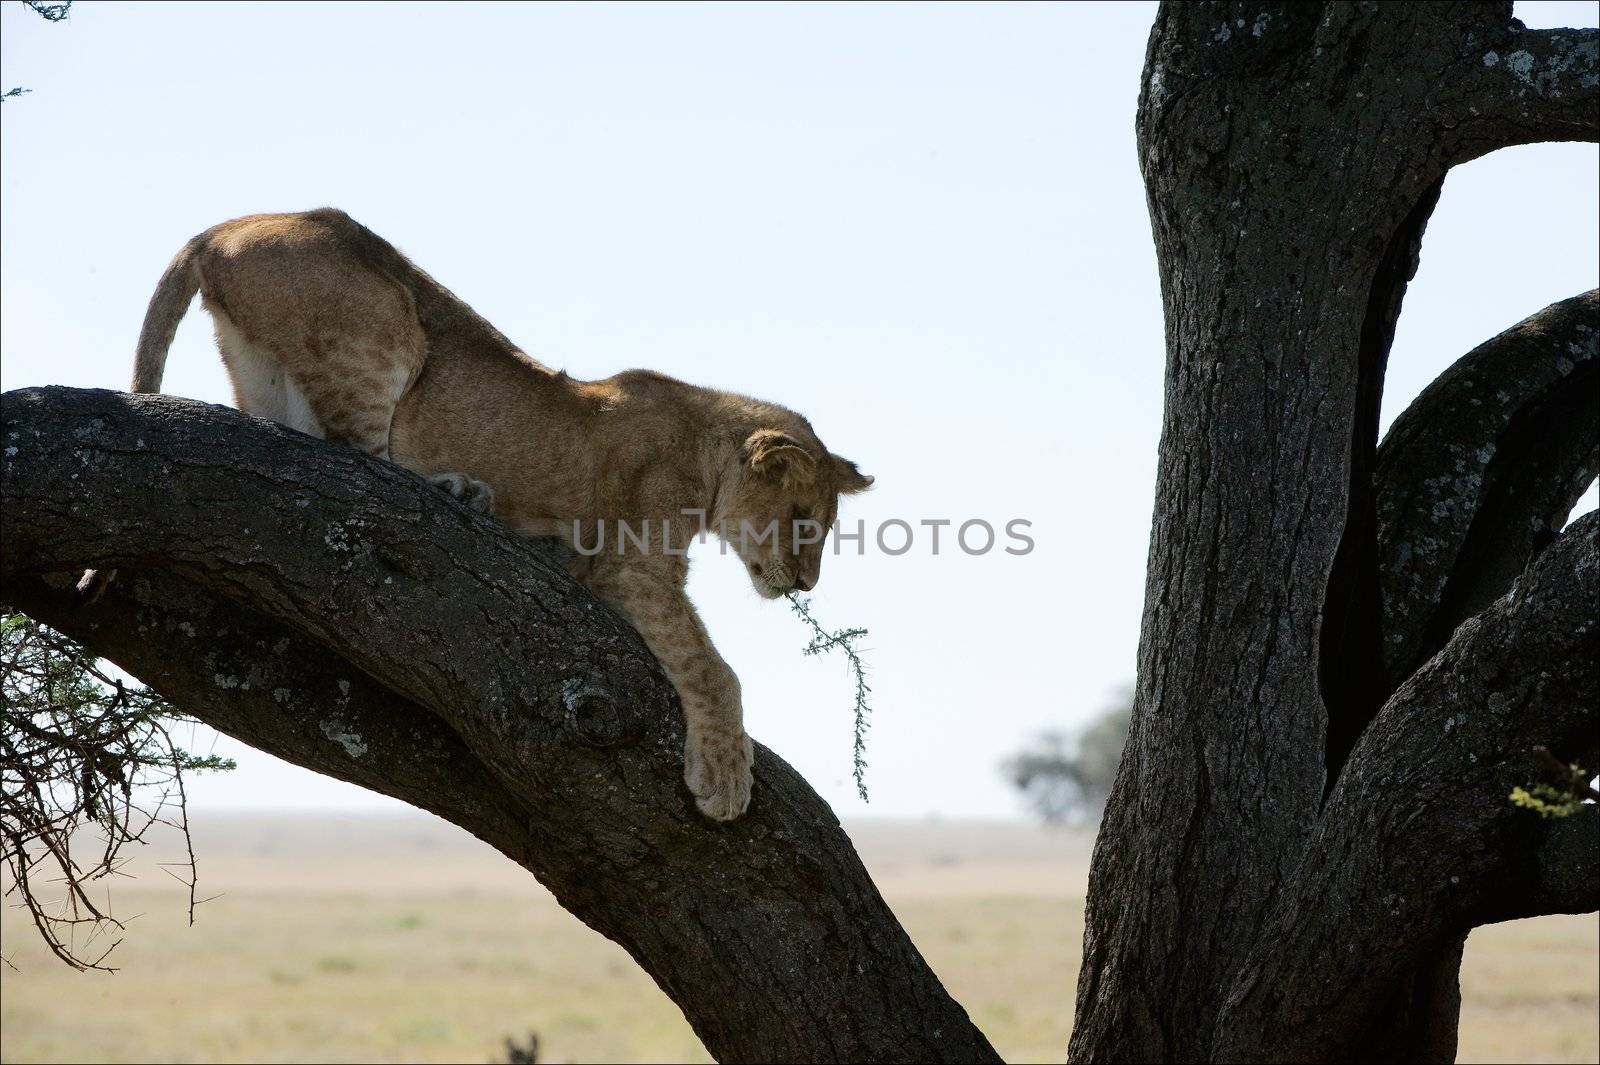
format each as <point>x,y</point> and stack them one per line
<point>844,640</point>
<point>48,12</point>
<point>79,750</point>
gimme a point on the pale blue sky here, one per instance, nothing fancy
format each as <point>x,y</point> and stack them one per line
<point>923,226</point>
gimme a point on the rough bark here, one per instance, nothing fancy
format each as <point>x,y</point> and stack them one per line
<point>1292,154</point>
<point>1417,844</point>
<point>1481,471</point>
<point>336,611</point>
<point>1516,86</point>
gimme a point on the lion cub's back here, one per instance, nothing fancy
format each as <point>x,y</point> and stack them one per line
<point>309,285</point>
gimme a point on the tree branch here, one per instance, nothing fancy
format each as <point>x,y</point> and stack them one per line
<point>336,611</point>
<point>1418,842</point>
<point>1480,470</point>
<point>1557,871</point>
<point>1520,86</point>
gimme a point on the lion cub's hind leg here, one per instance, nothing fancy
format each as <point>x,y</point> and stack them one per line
<point>343,388</point>
<point>262,385</point>
<point>346,394</point>
<point>354,397</point>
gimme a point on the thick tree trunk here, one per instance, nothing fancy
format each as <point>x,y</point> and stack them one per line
<point>1306,825</point>
<point>338,612</point>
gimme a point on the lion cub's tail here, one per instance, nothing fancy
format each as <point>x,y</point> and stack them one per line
<point>167,308</point>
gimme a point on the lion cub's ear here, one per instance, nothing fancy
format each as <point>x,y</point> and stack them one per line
<point>774,453</point>
<point>849,479</point>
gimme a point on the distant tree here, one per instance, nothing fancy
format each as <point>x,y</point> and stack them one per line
<point>1068,777</point>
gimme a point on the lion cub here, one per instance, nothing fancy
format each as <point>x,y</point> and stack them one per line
<point>327,328</point>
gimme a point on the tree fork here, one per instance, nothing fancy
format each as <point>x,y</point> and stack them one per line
<point>1291,154</point>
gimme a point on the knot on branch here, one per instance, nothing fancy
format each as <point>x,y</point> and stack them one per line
<point>597,718</point>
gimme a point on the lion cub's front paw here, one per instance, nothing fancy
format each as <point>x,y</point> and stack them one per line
<point>716,766</point>
<point>475,494</point>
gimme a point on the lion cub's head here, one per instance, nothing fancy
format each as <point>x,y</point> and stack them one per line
<point>778,504</point>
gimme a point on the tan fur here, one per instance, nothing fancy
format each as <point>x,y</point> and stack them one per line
<point>327,328</point>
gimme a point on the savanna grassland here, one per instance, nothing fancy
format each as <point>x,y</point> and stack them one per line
<point>404,939</point>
